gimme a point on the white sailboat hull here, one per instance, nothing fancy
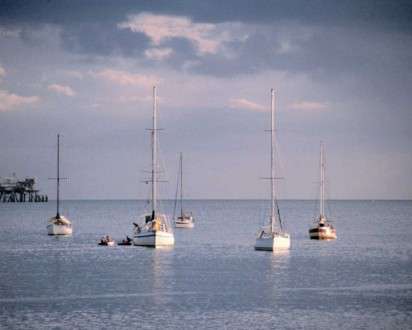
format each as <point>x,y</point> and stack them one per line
<point>54,229</point>
<point>186,222</point>
<point>154,239</point>
<point>276,242</point>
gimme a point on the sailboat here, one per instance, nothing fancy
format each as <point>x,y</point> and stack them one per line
<point>323,229</point>
<point>272,237</point>
<point>156,230</point>
<point>184,220</point>
<point>59,224</point>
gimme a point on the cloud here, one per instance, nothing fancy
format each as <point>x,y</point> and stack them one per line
<point>159,28</point>
<point>366,14</point>
<point>61,89</point>
<point>127,79</point>
<point>103,40</point>
<point>308,106</point>
<point>246,105</point>
<point>9,101</point>
<point>158,53</point>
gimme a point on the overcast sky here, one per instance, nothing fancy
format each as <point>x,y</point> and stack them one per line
<point>342,72</point>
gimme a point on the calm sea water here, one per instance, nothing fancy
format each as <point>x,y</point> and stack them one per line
<point>212,278</point>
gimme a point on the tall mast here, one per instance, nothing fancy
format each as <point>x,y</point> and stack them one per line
<point>181,185</point>
<point>272,161</point>
<point>154,154</point>
<point>58,176</point>
<point>322,182</point>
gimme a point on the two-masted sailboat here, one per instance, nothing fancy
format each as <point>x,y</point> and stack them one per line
<point>322,229</point>
<point>272,237</point>
<point>184,220</point>
<point>59,224</point>
<point>156,230</point>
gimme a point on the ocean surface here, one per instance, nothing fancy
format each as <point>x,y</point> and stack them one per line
<point>212,278</point>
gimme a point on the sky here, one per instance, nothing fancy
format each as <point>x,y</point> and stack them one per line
<point>341,70</point>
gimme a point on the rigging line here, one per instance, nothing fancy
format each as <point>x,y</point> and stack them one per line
<point>278,212</point>
<point>148,196</point>
<point>177,191</point>
<point>317,195</point>
<point>161,170</point>
<point>328,206</point>
<point>181,185</point>
<point>318,201</point>
<point>326,185</point>
<point>58,175</point>
<point>280,168</point>
<point>161,162</point>
<point>315,203</point>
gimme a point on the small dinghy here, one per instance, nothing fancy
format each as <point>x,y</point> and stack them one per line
<point>107,241</point>
<point>127,241</point>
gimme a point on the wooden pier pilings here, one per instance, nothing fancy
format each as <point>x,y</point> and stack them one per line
<point>13,190</point>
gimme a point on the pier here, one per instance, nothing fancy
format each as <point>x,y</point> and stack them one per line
<point>15,190</point>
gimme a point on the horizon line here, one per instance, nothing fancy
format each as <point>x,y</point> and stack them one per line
<point>234,199</point>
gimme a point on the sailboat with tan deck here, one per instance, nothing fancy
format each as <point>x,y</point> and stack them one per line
<point>185,219</point>
<point>155,229</point>
<point>323,229</point>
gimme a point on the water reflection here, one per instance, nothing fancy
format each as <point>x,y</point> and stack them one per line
<point>161,275</point>
<point>281,253</point>
<point>279,260</point>
<point>56,273</point>
<point>278,278</point>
